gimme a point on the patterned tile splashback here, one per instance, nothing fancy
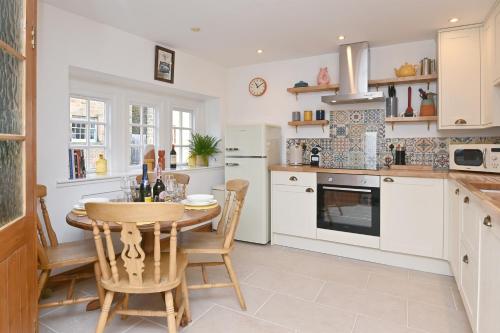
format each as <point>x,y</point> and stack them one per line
<point>357,140</point>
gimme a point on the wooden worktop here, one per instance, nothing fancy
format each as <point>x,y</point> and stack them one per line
<point>472,181</point>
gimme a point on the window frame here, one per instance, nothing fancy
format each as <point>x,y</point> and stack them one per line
<point>141,145</point>
<point>181,128</point>
<point>87,145</point>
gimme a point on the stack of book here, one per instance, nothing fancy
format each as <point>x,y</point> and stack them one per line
<point>76,163</point>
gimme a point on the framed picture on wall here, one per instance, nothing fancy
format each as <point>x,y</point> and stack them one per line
<point>164,64</point>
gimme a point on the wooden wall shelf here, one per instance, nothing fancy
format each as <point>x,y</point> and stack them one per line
<point>428,119</point>
<point>297,124</point>
<point>371,83</point>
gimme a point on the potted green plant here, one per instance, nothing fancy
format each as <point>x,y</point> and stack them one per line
<point>202,147</point>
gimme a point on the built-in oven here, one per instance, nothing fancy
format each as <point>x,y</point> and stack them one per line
<point>349,203</point>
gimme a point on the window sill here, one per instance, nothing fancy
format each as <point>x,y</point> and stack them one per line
<point>114,176</point>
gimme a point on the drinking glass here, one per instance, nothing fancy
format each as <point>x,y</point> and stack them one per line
<point>125,187</point>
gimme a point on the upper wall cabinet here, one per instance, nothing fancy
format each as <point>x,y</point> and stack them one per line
<point>459,52</point>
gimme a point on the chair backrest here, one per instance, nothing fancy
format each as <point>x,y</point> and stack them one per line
<point>43,244</point>
<point>181,179</point>
<point>236,190</point>
<point>130,215</point>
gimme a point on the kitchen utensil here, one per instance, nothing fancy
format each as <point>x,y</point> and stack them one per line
<point>296,115</point>
<point>315,155</point>
<point>400,155</point>
<point>308,115</point>
<point>391,103</point>
<point>422,93</point>
<point>295,154</point>
<point>409,109</point>
<point>187,202</point>
<point>425,66</point>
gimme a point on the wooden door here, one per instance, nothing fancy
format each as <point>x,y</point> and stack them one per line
<point>454,228</point>
<point>18,284</point>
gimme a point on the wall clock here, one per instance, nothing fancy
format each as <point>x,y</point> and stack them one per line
<point>257,86</point>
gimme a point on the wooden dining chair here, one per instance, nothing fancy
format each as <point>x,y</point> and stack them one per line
<point>54,255</point>
<point>134,271</point>
<point>219,242</point>
<point>181,179</point>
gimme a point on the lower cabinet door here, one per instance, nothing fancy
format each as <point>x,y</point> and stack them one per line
<point>412,218</point>
<point>469,266</point>
<point>454,228</point>
<point>489,292</point>
<point>294,210</point>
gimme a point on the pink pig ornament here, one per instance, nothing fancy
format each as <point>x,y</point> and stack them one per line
<point>323,76</point>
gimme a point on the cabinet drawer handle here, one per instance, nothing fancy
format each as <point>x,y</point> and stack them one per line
<point>388,180</point>
<point>309,190</point>
<point>487,221</point>
<point>460,122</point>
<point>293,179</point>
<point>457,191</point>
<point>465,259</point>
<point>466,200</point>
<point>232,164</point>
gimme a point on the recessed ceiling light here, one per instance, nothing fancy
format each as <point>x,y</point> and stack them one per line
<point>195,29</point>
<point>259,51</point>
<point>341,37</point>
<point>453,20</point>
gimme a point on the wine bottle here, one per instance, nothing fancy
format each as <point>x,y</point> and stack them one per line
<point>173,158</point>
<point>159,186</point>
<point>145,188</point>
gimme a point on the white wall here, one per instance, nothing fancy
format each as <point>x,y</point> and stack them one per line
<point>67,41</point>
<point>276,105</point>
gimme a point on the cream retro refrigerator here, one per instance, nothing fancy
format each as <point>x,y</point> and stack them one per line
<point>249,150</point>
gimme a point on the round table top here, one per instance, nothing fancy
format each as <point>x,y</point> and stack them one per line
<point>191,217</point>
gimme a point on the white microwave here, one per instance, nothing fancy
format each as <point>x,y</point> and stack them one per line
<point>475,157</point>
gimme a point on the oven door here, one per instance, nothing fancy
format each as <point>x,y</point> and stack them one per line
<point>349,209</point>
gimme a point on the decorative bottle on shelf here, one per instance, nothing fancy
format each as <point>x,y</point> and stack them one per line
<point>101,165</point>
<point>161,158</point>
<point>159,186</point>
<point>173,158</point>
<point>145,188</point>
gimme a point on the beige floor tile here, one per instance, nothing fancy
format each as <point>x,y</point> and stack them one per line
<point>74,319</point>
<point>380,269</point>
<point>369,303</point>
<point>145,326</point>
<point>44,329</point>
<point>222,320</point>
<point>439,294</point>
<point>435,319</point>
<point>391,285</point>
<point>286,283</point>
<point>254,297</point>
<point>430,278</point>
<point>306,316</point>
<point>219,273</point>
<point>458,299</point>
<point>345,273</point>
<point>371,325</point>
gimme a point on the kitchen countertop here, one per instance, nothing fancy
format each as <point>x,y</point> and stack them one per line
<point>473,182</point>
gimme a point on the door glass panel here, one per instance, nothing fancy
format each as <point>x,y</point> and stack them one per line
<point>12,23</point>
<point>347,208</point>
<point>11,186</point>
<point>11,93</point>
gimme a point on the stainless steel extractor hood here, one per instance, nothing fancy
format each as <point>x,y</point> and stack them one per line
<point>353,71</point>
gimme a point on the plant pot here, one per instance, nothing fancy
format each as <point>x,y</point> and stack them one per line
<point>202,161</point>
<point>192,161</point>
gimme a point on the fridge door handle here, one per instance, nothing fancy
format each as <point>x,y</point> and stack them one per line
<point>232,164</point>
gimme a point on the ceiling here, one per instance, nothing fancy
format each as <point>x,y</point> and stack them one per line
<point>233,30</point>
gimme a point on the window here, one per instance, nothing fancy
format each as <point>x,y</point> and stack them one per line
<point>182,129</point>
<point>88,117</point>
<point>142,131</point>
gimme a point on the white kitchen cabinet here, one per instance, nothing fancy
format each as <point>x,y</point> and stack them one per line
<point>469,222</point>
<point>489,292</point>
<point>494,21</point>
<point>469,267</point>
<point>454,226</point>
<point>293,207</point>
<point>412,216</point>
<point>459,59</point>
<point>487,73</point>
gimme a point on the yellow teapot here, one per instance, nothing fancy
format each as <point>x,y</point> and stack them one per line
<point>406,70</point>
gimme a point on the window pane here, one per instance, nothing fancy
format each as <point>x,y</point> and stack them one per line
<point>78,133</point>
<point>12,24</point>
<point>148,136</point>
<point>97,134</point>
<point>11,92</point>
<point>134,114</point>
<point>135,155</point>
<point>97,111</point>
<point>186,119</point>
<point>135,135</point>
<point>11,186</point>
<point>92,156</point>
<point>184,155</point>
<point>186,136</point>
<point>176,136</point>
<point>148,116</point>
<point>176,119</point>
<point>78,108</point>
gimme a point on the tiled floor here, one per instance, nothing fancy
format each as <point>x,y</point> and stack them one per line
<point>290,290</point>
